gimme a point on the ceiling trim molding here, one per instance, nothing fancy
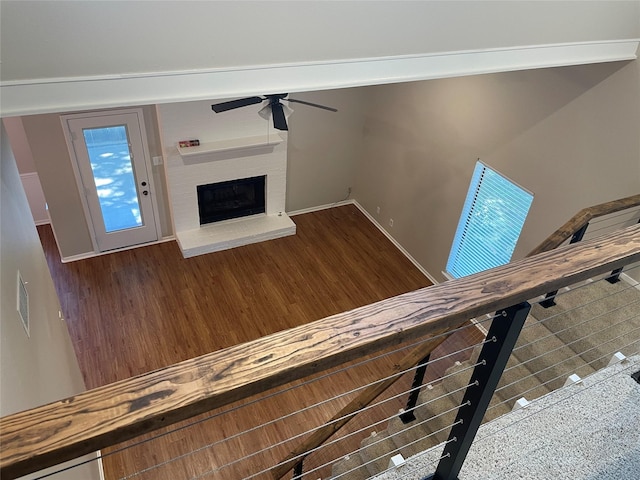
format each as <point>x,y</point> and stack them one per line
<point>89,93</point>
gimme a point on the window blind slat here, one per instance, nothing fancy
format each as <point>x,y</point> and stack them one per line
<point>492,218</point>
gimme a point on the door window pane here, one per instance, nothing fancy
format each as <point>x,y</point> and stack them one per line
<point>115,182</point>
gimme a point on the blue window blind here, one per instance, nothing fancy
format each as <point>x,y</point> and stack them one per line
<point>491,221</point>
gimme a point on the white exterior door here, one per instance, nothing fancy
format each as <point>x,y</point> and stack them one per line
<point>111,156</point>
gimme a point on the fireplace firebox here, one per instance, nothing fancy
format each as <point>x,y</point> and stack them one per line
<point>231,199</point>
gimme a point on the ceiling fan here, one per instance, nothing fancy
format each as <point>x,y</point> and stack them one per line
<point>277,110</point>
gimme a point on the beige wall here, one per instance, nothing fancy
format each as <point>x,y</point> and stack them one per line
<point>323,147</point>
<point>40,368</point>
<point>569,135</point>
<point>51,158</point>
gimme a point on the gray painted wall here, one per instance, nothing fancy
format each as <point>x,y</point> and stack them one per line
<point>569,135</point>
<point>42,367</point>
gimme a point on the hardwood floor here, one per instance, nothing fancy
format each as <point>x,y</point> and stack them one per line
<point>139,310</point>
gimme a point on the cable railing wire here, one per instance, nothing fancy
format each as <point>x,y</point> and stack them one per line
<point>443,429</point>
<point>259,399</point>
<point>577,355</point>
<point>284,417</point>
<point>625,370</point>
<point>456,373</point>
<point>573,341</point>
<point>447,455</point>
<point>384,354</point>
<point>311,431</point>
<point>375,459</point>
<point>382,421</point>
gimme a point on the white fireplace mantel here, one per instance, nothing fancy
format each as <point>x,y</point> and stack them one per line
<point>212,165</point>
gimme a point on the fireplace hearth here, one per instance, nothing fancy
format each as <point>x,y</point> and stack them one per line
<point>231,199</point>
<point>221,201</point>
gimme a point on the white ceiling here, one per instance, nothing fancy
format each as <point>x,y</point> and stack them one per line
<point>70,55</point>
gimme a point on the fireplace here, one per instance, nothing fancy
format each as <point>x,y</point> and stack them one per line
<point>205,204</point>
<point>231,199</point>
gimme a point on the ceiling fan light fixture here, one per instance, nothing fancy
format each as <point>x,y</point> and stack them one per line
<point>275,108</point>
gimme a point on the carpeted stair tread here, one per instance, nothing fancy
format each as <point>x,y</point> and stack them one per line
<point>376,450</point>
<point>456,379</point>
<point>432,403</point>
<point>596,320</point>
<point>411,438</point>
<point>515,380</point>
<point>349,468</point>
<point>578,335</point>
<point>547,356</point>
<point>518,381</point>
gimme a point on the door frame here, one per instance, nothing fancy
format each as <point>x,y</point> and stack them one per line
<point>78,177</point>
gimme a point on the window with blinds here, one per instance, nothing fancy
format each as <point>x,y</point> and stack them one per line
<point>490,224</point>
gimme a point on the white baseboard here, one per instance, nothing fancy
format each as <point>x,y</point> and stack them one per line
<point>375,222</point>
<point>395,242</point>
<point>100,465</point>
<point>631,281</point>
<point>321,207</point>
<point>84,256</point>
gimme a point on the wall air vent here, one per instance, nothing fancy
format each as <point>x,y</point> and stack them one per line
<point>23,303</point>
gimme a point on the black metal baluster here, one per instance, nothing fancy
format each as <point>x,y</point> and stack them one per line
<point>504,332</point>
<point>615,275</point>
<point>408,415</point>
<point>549,297</point>
<point>297,470</point>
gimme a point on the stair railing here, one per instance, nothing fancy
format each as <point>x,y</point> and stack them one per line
<point>576,228</point>
<point>581,221</point>
<point>67,429</point>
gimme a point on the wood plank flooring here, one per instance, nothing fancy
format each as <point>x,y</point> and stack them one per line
<point>139,310</point>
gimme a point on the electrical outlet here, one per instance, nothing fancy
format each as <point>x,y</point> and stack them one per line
<point>391,222</point>
<point>378,210</point>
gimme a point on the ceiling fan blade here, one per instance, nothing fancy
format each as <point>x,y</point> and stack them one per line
<point>243,102</point>
<point>279,120</point>
<point>331,109</point>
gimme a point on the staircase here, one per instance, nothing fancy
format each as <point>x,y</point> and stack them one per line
<point>579,335</point>
<point>570,433</point>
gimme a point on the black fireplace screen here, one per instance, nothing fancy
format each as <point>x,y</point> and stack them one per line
<point>231,199</point>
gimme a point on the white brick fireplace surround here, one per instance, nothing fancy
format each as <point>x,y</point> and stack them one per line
<point>215,163</point>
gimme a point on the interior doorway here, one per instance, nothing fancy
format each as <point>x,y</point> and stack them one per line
<point>111,162</point>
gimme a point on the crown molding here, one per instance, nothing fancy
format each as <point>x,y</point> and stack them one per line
<point>35,96</point>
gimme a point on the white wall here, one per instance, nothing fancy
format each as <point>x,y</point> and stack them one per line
<point>180,35</point>
<point>174,51</point>
<point>569,135</point>
<point>42,367</point>
<point>321,146</point>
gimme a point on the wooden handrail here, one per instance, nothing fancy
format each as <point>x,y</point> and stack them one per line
<point>67,429</point>
<point>581,218</point>
<point>370,393</point>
